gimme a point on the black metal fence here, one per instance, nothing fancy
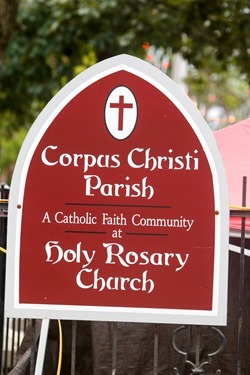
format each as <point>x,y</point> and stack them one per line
<point>11,330</point>
<point>194,347</point>
<point>4,194</point>
<point>14,330</point>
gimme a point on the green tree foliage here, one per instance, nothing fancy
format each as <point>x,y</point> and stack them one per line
<point>53,36</point>
<point>55,39</point>
<point>228,90</point>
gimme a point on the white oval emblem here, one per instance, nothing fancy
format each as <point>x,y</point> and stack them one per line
<point>121,112</point>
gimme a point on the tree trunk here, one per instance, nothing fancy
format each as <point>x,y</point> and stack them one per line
<point>8,11</point>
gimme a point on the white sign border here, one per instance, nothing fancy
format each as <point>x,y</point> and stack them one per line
<point>142,69</point>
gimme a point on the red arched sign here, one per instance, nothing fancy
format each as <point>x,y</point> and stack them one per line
<point>118,205</point>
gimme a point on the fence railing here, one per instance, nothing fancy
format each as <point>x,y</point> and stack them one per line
<point>12,332</point>
<point>4,194</point>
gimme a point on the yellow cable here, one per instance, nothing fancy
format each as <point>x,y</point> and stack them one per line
<point>240,208</point>
<point>3,250</point>
<point>59,365</point>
